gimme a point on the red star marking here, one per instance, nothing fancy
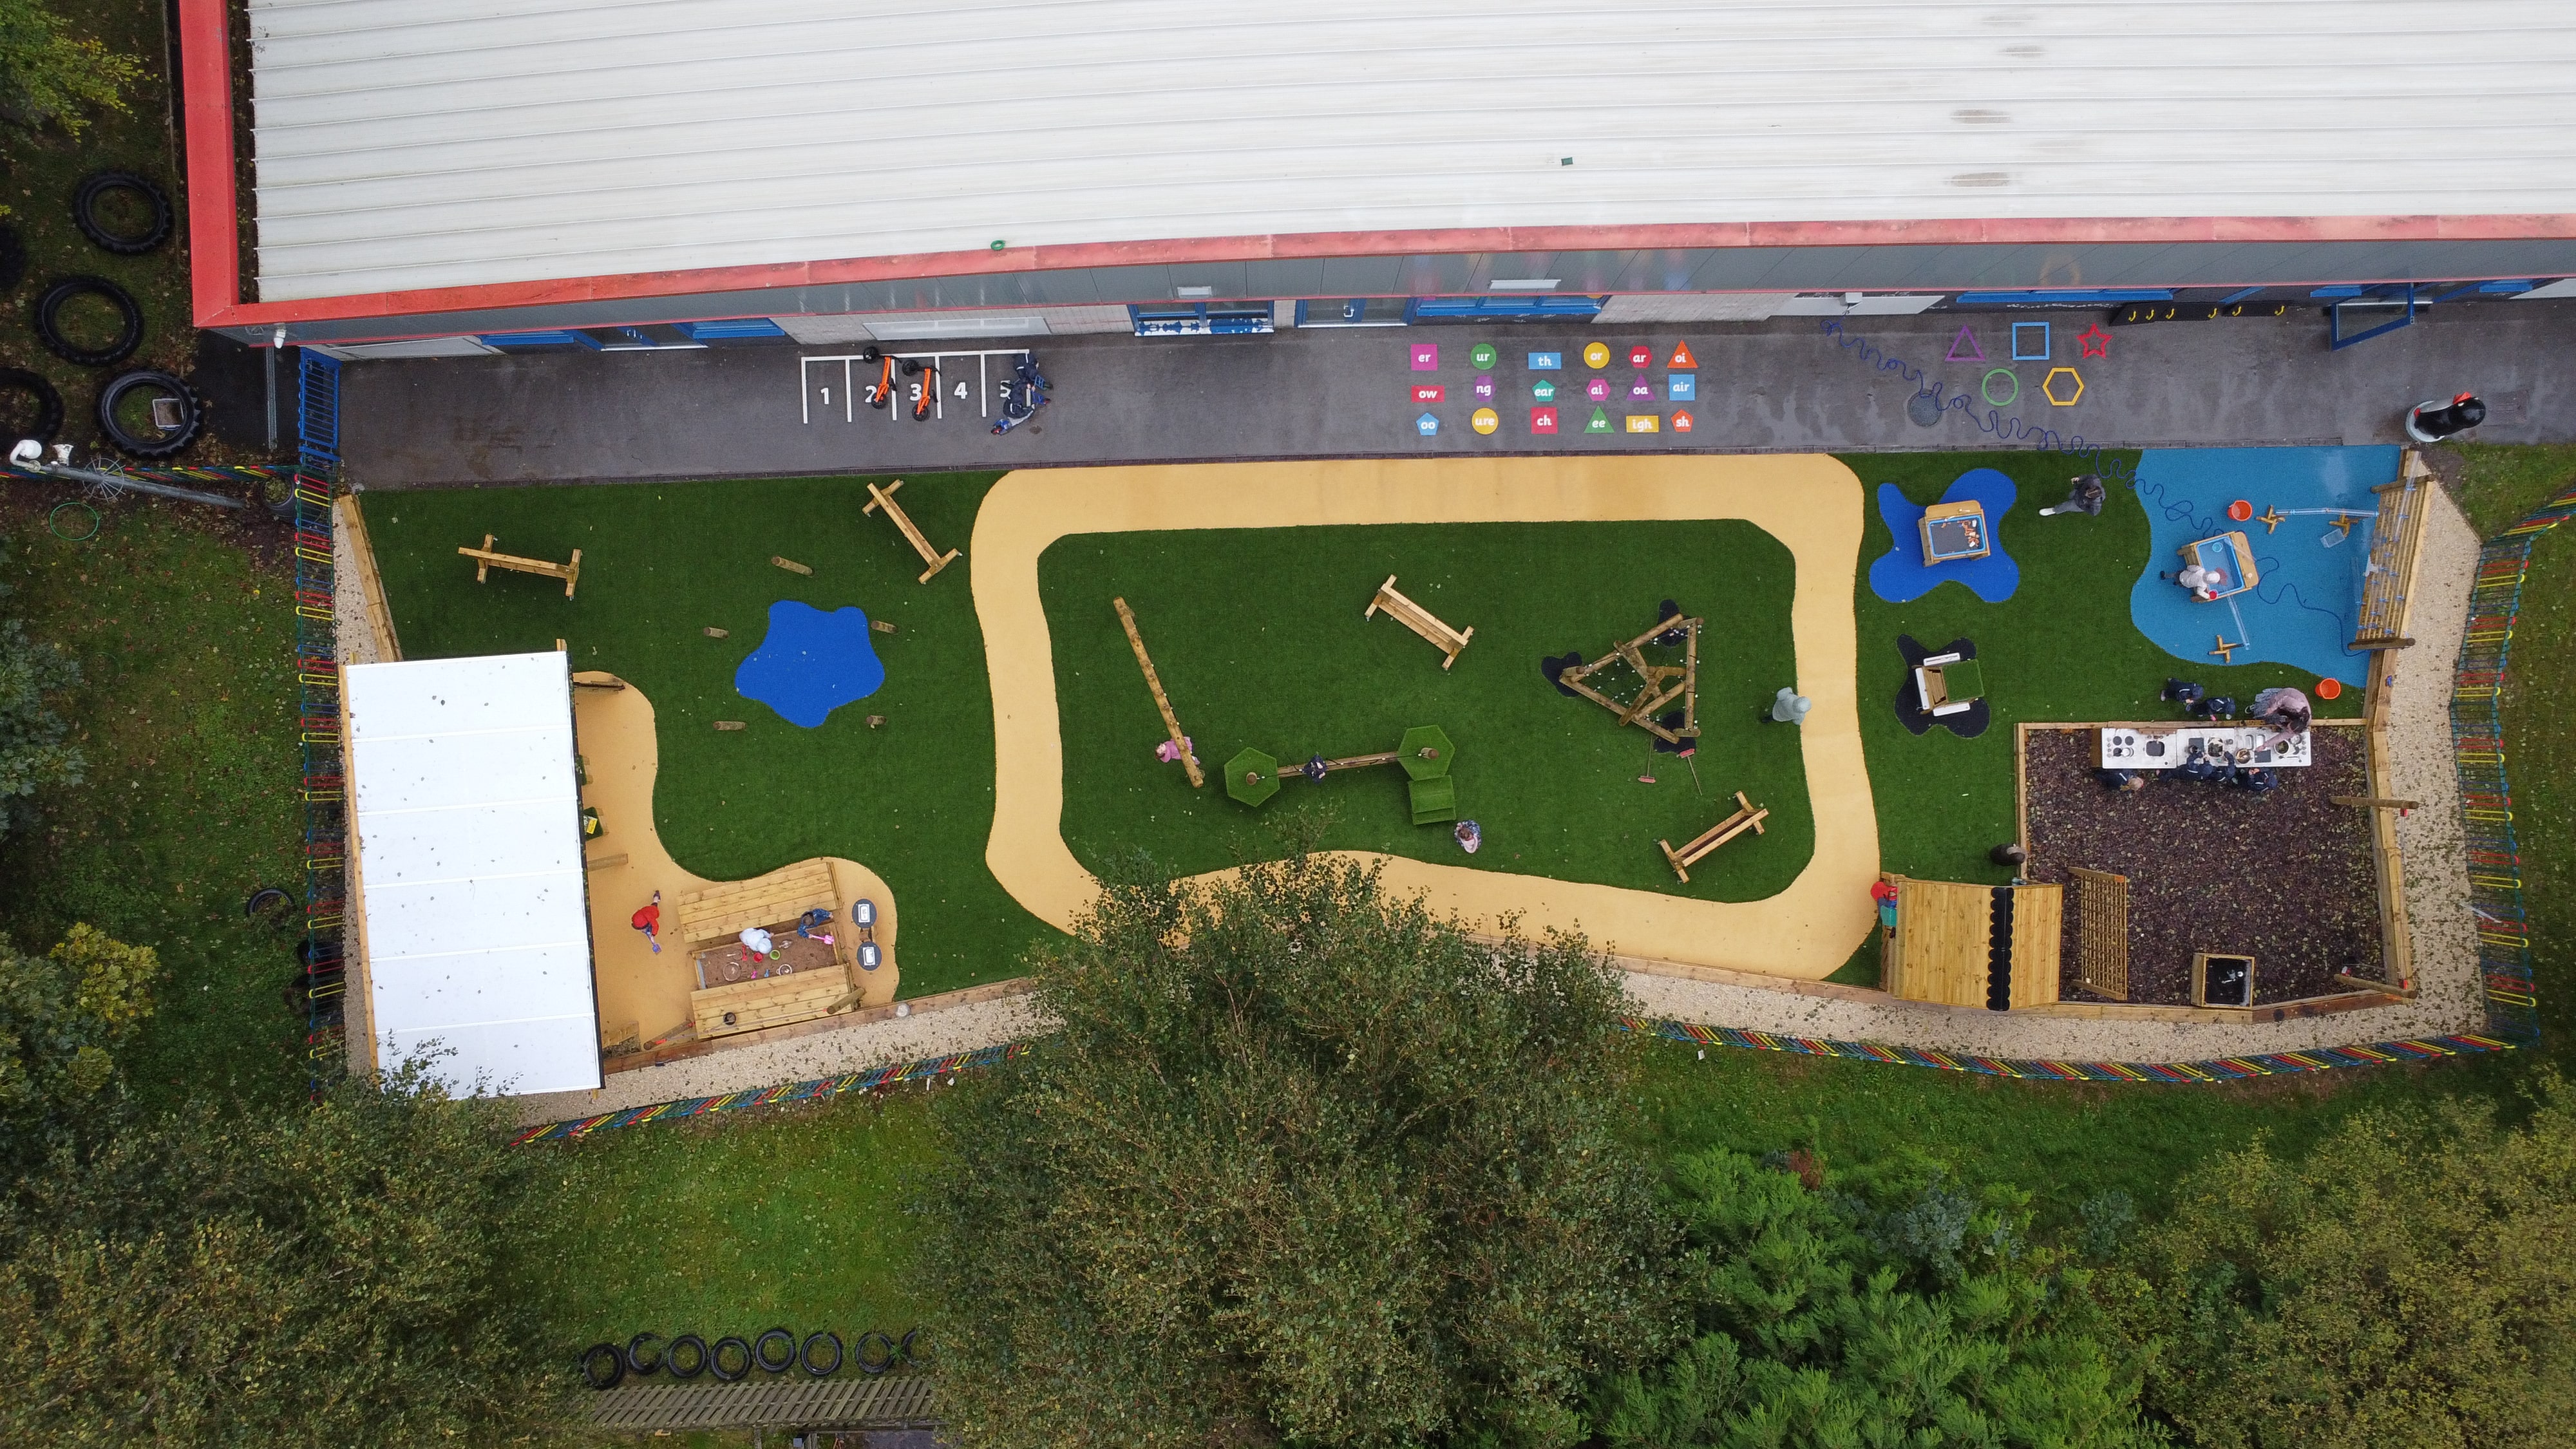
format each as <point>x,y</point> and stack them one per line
<point>2094,342</point>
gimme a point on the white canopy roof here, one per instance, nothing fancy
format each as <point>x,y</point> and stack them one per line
<point>407,145</point>
<point>467,819</point>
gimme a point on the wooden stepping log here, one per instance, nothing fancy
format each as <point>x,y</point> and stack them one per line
<point>884,498</point>
<point>485,560</point>
<point>1450,642</point>
<point>789,564</point>
<point>713,632</point>
<point>731,724</point>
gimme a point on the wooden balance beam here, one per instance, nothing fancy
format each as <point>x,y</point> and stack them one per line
<point>1154,682</point>
<point>884,498</point>
<point>485,560</point>
<point>1747,816</point>
<point>1420,620</point>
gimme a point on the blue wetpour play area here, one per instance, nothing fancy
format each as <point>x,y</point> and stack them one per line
<point>1953,541</point>
<point>2306,529</point>
<point>811,663</point>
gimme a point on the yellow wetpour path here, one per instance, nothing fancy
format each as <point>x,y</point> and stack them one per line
<point>1813,505</point>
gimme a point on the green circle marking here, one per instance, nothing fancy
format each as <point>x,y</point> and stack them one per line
<point>1483,354</point>
<point>54,522</point>
<point>1988,388</point>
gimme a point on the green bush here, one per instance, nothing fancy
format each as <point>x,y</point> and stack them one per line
<point>325,1275</point>
<point>2410,1282</point>
<point>32,752</point>
<point>49,74</point>
<point>1303,1164</point>
<point>1890,1307</point>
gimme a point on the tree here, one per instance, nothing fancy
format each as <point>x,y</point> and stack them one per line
<point>61,1017</point>
<point>1302,1164</point>
<point>48,73</point>
<point>1880,1308</point>
<point>2411,1282</point>
<point>32,752</point>
<point>325,1275</point>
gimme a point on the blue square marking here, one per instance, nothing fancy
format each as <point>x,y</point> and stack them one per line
<point>1428,424</point>
<point>1547,361</point>
<point>1681,387</point>
<point>2021,352</point>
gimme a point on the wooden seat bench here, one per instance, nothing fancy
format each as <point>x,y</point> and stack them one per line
<point>485,560</point>
<point>1747,816</point>
<point>1420,620</point>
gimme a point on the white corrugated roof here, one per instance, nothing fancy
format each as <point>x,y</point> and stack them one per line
<point>468,819</point>
<point>404,144</point>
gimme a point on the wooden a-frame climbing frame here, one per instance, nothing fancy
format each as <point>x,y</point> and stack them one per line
<point>1653,679</point>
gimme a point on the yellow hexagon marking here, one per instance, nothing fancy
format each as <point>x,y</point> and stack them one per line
<point>2048,388</point>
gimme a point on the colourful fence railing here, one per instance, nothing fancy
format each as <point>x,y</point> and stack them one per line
<point>876,1079</point>
<point>2486,789</point>
<point>317,714</point>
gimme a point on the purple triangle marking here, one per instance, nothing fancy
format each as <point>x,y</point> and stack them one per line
<point>1969,340</point>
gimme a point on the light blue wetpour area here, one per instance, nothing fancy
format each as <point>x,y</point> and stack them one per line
<point>812,663</point>
<point>1900,574</point>
<point>2300,611</point>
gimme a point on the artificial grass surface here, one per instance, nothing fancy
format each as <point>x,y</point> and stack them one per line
<point>801,1219</point>
<point>2060,649</point>
<point>1258,637</point>
<point>660,563</point>
<point>186,713</point>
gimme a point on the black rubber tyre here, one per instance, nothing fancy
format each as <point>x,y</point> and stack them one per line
<point>50,305</point>
<point>85,199</point>
<point>13,259</point>
<point>698,1356</point>
<point>805,1355</point>
<point>266,898</point>
<point>49,403</point>
<point>915,1348</point>
<point>786,1343</point>
<point>192,415</point>
<point>877,1363</point>
<point>594,1358</point>
<point>636,1363</point>
<point>716,1359</point>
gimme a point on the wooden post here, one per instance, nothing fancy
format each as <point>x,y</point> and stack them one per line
<point>1154,682</point>
<point>884,498</point>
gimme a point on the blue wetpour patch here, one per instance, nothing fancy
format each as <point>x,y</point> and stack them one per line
<point>1901,575</point>
<point>811,663</point>
<point>2308,569</point>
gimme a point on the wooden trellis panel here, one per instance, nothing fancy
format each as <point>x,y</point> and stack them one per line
<point>2101,903</point>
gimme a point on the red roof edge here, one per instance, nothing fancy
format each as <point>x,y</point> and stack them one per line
<point>216,263</point>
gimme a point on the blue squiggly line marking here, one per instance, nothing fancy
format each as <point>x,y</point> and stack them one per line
<point>2004,427</point>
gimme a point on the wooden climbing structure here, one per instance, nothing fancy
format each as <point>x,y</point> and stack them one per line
<point>1162,701</point>
<point>884,498</point>
<point>1658,684</point>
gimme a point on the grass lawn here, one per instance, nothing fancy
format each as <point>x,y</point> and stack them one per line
<point>803,1219</point>
<point>1258,637</point>
<point>43,167</point>
<point>185,710</point>
<point>662,562</point>
<point>2061,648</point>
